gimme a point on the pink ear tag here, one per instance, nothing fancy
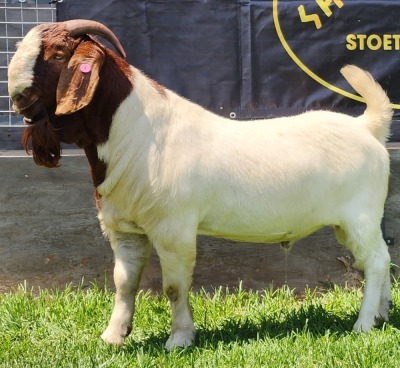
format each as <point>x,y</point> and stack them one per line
<point>85,68</point>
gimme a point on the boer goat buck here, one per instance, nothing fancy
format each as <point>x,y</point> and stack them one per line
<point>165,169</point>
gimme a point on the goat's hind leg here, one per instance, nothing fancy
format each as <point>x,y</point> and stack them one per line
<point>386,298</point>
<point>373,257</point>
<point>131,253</point>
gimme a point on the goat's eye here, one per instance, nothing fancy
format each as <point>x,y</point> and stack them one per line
<point>58,57</point>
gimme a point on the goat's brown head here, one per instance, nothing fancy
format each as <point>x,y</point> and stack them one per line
<point>53,75</point>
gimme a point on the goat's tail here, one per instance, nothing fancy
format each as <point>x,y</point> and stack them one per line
<point>378,113</point>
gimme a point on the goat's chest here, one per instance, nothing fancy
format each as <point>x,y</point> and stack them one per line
<point>115,217</point>
<point>125,212</point>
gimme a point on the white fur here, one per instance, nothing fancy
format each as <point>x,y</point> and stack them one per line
<point>20,70</point>
<point>175,170</point>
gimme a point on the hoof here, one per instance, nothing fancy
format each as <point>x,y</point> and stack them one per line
<point>180,339</point>
<point>112,338</point>
<point>363,326</point>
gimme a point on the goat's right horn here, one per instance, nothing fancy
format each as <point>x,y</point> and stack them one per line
<point>84,26</point>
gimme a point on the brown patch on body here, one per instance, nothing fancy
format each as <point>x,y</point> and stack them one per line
<point>172,294</point>
<point>97,167</point>
<point>97,199</point>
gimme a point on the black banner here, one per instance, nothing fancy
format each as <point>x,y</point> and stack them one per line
<point>252,59</point>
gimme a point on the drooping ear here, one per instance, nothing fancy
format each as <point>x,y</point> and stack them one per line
<point>79,79</point>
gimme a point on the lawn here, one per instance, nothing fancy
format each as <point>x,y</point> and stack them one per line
<point>236,328</point>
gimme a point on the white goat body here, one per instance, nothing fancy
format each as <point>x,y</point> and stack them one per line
<point>185,171</point>
<point>173,170</point>
<point>266,181</point>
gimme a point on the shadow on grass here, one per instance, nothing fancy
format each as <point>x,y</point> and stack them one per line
<point>313,320</point>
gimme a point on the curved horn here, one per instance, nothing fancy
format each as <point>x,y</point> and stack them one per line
<point>84,26</point>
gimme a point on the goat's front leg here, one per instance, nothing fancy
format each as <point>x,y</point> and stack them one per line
<point>131,252</point>
<point>177,262</point>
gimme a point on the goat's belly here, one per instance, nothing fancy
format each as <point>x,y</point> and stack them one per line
<point>267,220</point>
<point>257,237</point>
<point>260,238</point>
<point>260,231</point>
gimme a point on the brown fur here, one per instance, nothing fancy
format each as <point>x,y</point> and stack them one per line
<point>86,126</point>
<point>46,148</point>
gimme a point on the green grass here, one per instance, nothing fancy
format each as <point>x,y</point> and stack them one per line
<point>236,328</point>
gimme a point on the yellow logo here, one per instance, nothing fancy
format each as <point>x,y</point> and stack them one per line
<point>360,42</point>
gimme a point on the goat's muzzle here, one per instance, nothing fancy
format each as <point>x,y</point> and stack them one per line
<point>26,103</point>
<point>40,137</point>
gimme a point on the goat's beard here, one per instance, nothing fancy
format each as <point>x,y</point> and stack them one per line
<point>40,139</point>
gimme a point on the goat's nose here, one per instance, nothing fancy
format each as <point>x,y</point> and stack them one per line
<point>26,94</point>
<point>18,97</point>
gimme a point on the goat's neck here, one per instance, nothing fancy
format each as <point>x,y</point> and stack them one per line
<point>139,127</point>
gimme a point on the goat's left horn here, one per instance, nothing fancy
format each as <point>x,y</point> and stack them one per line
<point>78,27</point>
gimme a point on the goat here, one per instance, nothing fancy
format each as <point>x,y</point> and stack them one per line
<point>165,169</point>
